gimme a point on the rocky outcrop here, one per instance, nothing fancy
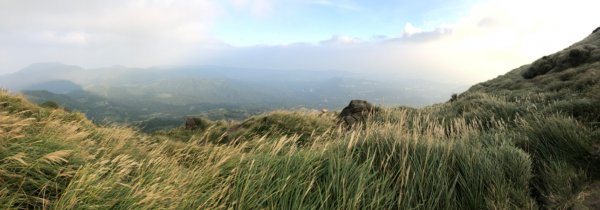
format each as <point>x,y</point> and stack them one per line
<point>194,123</point>
<point>357,112</point>
<point>190,123</point>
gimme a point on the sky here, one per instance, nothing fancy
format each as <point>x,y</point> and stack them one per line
<point>458,41</point>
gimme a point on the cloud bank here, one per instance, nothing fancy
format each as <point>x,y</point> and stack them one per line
<point>487,40</point>
<point>102,32</point>
<point>490,39</point>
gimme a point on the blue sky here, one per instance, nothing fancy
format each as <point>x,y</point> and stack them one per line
<point>461,41</point>
<point>312,21</point>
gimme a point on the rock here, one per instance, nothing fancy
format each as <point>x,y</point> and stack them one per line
<point>194,123</point>
<point>357,112</point>
<point>597,29</point>
<point>190,123</point>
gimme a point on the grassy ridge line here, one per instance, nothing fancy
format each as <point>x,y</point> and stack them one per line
<point>405,159</point>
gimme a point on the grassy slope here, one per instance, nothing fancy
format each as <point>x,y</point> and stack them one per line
<point>571,87</point>
<point>52,158</point>
<point>509,143</point>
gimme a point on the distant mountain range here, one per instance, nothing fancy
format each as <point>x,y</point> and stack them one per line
<point>136,95</point>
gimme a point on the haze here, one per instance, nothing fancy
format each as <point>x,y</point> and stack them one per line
<point>460,41</point>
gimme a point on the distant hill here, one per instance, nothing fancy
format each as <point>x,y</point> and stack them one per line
<point>55,86</point>
<point>148,117</point>
<point>225,85</point>
<point>134,95</point>
<point>37,74</point>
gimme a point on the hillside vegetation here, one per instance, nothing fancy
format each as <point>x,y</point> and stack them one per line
<point>515,142</point>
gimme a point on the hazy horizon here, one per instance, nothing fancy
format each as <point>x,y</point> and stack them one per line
<point>454,41</point>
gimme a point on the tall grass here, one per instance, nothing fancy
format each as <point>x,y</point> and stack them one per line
<point>405,159</point>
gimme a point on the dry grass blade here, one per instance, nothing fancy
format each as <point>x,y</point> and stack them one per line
<point>57,157</point>
<point>19,157</point>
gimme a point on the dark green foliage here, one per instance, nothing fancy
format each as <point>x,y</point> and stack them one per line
<point>560,61</point>
<point>577,56</point>
<point>539,67</point>
<point>50,104</point>
<point>156,124</point>
<point>453,97</point>
<point>200,123</point>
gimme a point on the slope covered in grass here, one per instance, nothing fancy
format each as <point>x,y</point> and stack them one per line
<point>567,81</point>
<point>510,143</point>
<point>56,159</point>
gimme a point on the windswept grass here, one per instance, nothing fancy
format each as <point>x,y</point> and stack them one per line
<point>492,153</point>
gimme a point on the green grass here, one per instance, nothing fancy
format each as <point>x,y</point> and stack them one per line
<point>457,155</point>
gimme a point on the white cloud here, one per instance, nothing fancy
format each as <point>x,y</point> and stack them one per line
<point>500,35</point>
<point>103,32</point>
<point>54,38</point>
<point>410,30</point>
<point>340,39</point>
<point>491,38</point>
<point>415,34</point>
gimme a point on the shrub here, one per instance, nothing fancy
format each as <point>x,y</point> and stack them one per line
<point>559,61</point>
<point>539,67</point>
<point>50,104</point>
<point>453,97</point>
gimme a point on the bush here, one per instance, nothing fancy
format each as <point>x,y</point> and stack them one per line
<point>50,104</point>
<point>539,67</point>
<point>559,61</point>
<point>453,97</point>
